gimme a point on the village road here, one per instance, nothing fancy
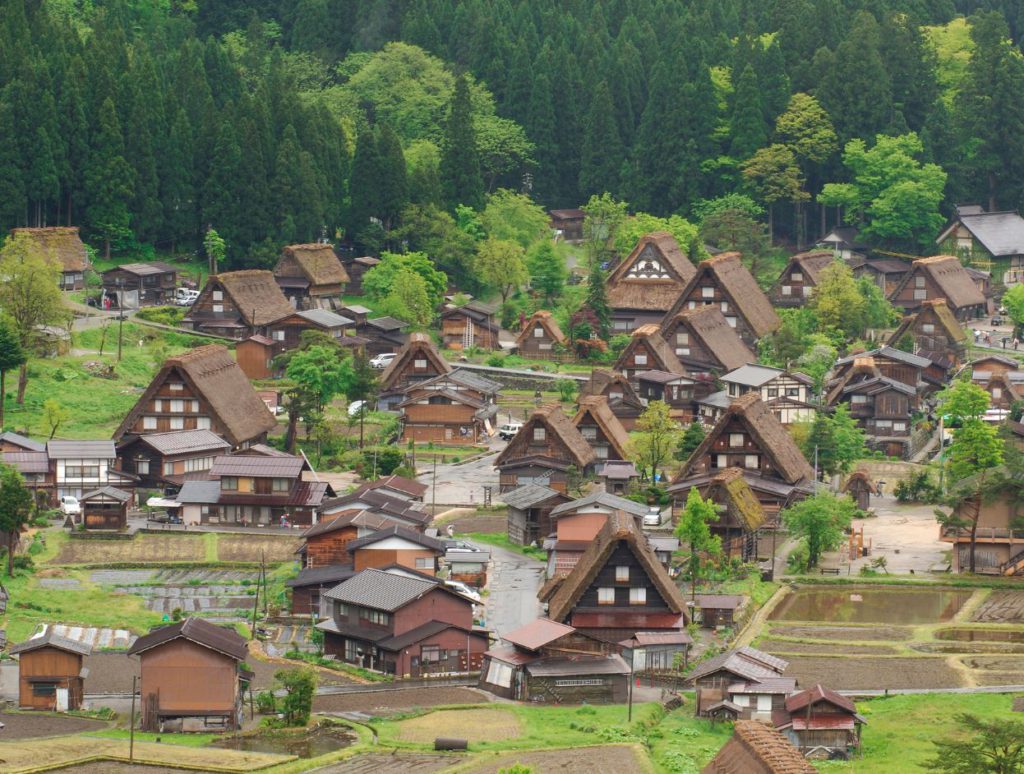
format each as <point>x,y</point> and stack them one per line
<point>462,484</point>
<point>513,584</point>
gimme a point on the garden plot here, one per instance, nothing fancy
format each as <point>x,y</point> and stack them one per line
<point>142,549</point>
<point>290,637</point>
<point>256,548</point>
<point>1001,607</point>
<point>226,594</point>
<point>606,759</point>
<point>392,763</point>
<point>861,674</point>
<point>473,725</point>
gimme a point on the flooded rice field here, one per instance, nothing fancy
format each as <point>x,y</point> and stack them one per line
<point>854,604</point>
<point>319,740</point>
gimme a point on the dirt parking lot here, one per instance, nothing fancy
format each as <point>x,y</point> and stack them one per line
<point>19,725</point>
<point>383,702</point>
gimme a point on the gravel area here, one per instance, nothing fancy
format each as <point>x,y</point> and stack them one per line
<point>394,700</point>
<point>873,673</point>
<point>110,672</point>
<point>26,726</point>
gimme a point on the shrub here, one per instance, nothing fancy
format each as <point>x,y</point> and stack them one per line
<point>266,703</point>
<point>917,489</point>
<point>497,360</point>
<point>300,685</point>
<point>799,558</point>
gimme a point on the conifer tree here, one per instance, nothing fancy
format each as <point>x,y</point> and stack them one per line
<point>12,355</point>
<point>295,191</point>
<point>460,161</point>
<point>542,131</point>
<point>393,182</point>
<point>177,189</point>
<point>220,192</point>
<point>601,155</point>
<point>364,187</point>
<point>108,180</point>
<point>748,129</point>
<point>13,201</point>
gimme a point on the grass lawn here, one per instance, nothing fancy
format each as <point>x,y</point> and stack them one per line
<point>501,540</point>
<point>184,740</point>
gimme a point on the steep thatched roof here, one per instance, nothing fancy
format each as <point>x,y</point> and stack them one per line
<point>950,276</point>
<point>559,431</point>
<point>594,410</point>
<point>757,748</point>
<point>620,527</point>
<point>544,319</point>
<point>255,294</point>
<point>316,262</point>
<point>730,488</point>
<point>651,276</point>
<point>727,272</point>
<point>649,337</point>
<point>937,312</point>
<point>419,347</point>
<point>60,242</point>
<point>218,381</point>
<point>604,381</point>
<point>709,327</point>
<point>766,431</point>
<point>811,263</point>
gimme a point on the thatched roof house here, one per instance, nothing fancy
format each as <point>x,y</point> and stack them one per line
<point>545,448</point>
<point>935,332</point>
<point>801,275</point>
<point>601,428</point>
<point>417,361</point>
<point>238,304</point>
<point>622,398</point>
<point>940,276</point>
<point>647,281</point>
<point>757,748</point>
<point>64,244</point>
<point>540,335</point>
<point>311,275</point>
<point>647,351</point>
<point>704,341</point>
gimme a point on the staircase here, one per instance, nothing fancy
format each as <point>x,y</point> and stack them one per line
<point>467,335</point>
<point>1013,565</point>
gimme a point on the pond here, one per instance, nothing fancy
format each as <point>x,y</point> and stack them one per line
<point>871,605</point>
<point>980,635</point>
<point>317,741</point>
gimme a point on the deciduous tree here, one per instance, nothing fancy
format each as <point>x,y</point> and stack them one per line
<point>820,520</point>
<point>501,264</point>
<point>993,746</point>
<point>694,530</point>
<point>657,438</point>
<point>12,355</point>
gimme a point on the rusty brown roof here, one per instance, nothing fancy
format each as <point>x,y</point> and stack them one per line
<point>257,465</point>
<point>219,638</point>
<point>60,242</point>
<point>537,633</point>
<point>757,748</point>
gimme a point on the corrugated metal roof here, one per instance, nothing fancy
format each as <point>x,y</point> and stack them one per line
<point>380,590</point>
<point>324,318</point>
<point>24,442</point>
<point>582,665</point>
<point>752,375</point>
<point>314,576</point>
<point>258,466</point>
<point>528,495</point>
<point>49,639</point>
<point>81,450</point>
<point>537,633</point>
<point>604,499</point>
<point>185,441</point>
<point>28,461</point>
<point>199,493</point>
<point>107,491</point>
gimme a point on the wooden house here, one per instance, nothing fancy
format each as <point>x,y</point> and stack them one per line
<point>647,351</point>
<point>601,429</point>
<point>941,276</point>
<point>398,486</point>
<point>741,517</point>
<point>36,473</point>
<point>883,406</point>
<point>933,331</point>
<point>716,610</point>
<point>308,587</point>
<point>751,680</point>
<point>457,407</point>
<point>471,325</point>
<point>885,273</point>
<point>860,488</point>
<point>1004,388</point>
<point>541,337</point>
<point>467,563</point>
<point>787,394</point>
<point>211,698</point>
<point>544,451</point>
<point>286,333</point>
<point>134,285</point>
<point>987,238</point>
<point>326,542</point>
<point>384,334</point>
<point>356,268</point>
<point>821,722</point>
<point>50,672</point>
<point>643,286</point>
<point>417,362</point>
<point>845,242</point>
<point>202,389</point>
<point>576,524</point>
<point>167,460</point>
<point>311,276</point>
<point>999,537</point>
<point>549,662</point>
<point>402,624</point>
<point>678,392</point>
<point>757,748</point>
<point>256,356</point>
<point>254,490</point>
<point>237,305</point>
<point>724,281</point>
<point>396,545</point>
<point>63,244</point>
<point>915,371</point>
<point>749,437</point>
<point>623,401</point>
<point>399,510</point>
<point>799,278</point>
<point>15,442</point>
<point>704,341</point>
<point>652,652</point>
<point>529,512</point>
<point>568,223</point>
<point>77,467</point>
<point>105,508</point>
<point>618,587</point>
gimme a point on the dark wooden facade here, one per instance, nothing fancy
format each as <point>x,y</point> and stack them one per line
<point>105,508</point>
<point>311,276</point>
<point>543,452</point>
<point>45,671</point>
<point>133,285</point>
<point>473,325</point>
<point>798,279</point>
<point>256,356</point>
<point>529,512</point>
<point>541,337</point>
<point>940,277</point>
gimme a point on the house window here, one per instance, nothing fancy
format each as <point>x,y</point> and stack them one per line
<point>198,463</point>
<point>640,359</point>
<point>177,423</point>
<point>638,596</point>
<point>540,434</point>
<point>281,485</point>
<point>691,305</point>
<point>807,291</point>
<point>731,321</point>
<point>773,392</point>
<point>149,423</point>
<point>764,703</point>
<point>793,392</point>
<point>142,467</point>
<point>229,483</point>
<point>168,468</point>
<point>725,307</point>
<point>589,432</point>
<point>918,282</point>
<point>859,399</point>
<point>997,392</point>
<point>601,452</point>
<point>44,689</point>
<point>606,596</point>
<point>351,650</point>
<point>682,350</point>
<point>622,573</point>
<point>899,427</point>
<point>218,295</point>
<point>787,290</point>
<point>175,386</point>
<point>177,406</point>
<point>424,563</point>
<point>158,406</point>
<point>883,424</point>
<point>927,328</point>
<point>735,439</point>
<point>203,423</point>
<point>538,332</point>
<point>279,335</point>
<point>378,617</point>
<point>920,294</point>
<point>341,610</point>
<point>420,363</point>
<point>218,308</point>
<point>721,460</point>
<point>430,654</point>
<point>797,276</point>
<point>682,337</point>
<point>614,396</point>
<point>82,471</point>
<point>751,461</point>
<point>707,292</point>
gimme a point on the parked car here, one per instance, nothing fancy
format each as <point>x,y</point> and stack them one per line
<point>653,517</point>
<point>185,296</point>
<point>70,506</point>
<point>508,431</point>
<point>997,320</point>
<point>383,360</point>
<point>464,590</point>
<point>166,518</point>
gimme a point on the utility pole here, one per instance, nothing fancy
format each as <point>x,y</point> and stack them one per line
<point>433,493</point>
<point>255,611</point>
<point>120,318</point>
<point>131,723</point>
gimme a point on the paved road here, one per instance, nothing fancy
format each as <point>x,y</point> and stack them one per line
<point>463,484</point>
<point>513,585</point>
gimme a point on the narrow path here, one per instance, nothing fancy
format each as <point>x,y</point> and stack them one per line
<point>757,621</point>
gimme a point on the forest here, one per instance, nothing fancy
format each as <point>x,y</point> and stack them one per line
<point>385,124</point>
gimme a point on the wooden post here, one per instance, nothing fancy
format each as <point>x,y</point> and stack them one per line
<point>255,611</point>
<point>131,723</point>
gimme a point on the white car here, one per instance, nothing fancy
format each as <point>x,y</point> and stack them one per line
<point>383,360</point>
<point>653,517</point>
<point>185,296</point>
<point>70,506</point>
<point>464,590</point>
<point>508,431</point>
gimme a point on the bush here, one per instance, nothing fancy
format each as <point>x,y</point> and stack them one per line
<point>799,558</point>
<point>383,460</point>
<point>497,360</point>
<point>266,703</point>
<point>917,489</point>
<point>300,685</point>
<point>164,315</point>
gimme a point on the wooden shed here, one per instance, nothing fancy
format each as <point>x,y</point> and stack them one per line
<point>540,336</point>
<point>860,488</point>
<point>210,699</point>
<point>50,672</point>
<point>105,508</point>
<point>256,356</point>
<point>718,609</point>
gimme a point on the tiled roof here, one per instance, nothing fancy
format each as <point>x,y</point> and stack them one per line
<point>184,441</point>
<point>81,450</point>
<point>603,499</point>
<point>219,638</point>
<point>381,590</point>
<point>49,639</point>
<point>257,465</point>
<point>528,495</point>
<point>537,633</point>
<point>24,442</point>
<point>400,532</point>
